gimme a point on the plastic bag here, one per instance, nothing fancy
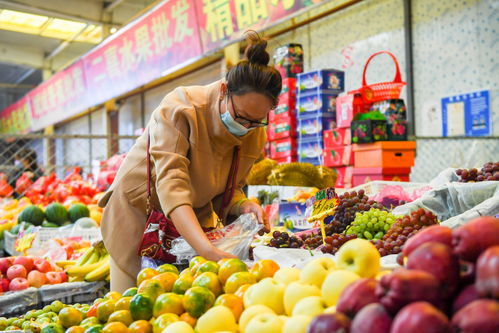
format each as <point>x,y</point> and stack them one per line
<point>235,238</point>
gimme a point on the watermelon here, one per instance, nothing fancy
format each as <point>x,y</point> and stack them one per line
<point>32,214</point>
<point>78,211</point>
<point>56,213</point>
<point>86,222</point>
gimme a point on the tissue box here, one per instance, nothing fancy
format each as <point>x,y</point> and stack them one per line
<point>283,111</point>
<point>393,109</point>
<point>337,137</point>
<point>282,128</point>
<point>314,125</point>
<point>323,79</point>
<point>310,150</point>
<point>365,131</point>
<point>288,60</point>
<point>338,156</point>
<point>320,103</point>
<point>345,177</point>
<point>283,148</point>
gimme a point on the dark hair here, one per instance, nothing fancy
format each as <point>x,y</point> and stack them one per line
<point>27,154</point>
<point>253,74</point>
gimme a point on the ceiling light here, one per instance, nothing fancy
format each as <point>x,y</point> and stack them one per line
<point>113,30</point>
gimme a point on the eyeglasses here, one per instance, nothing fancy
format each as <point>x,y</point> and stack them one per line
<point>245,121</point>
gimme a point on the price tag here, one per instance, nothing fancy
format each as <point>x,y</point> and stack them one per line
<point>25,239</point>
<point>324,205</point>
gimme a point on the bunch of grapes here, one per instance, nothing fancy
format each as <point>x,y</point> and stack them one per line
<point>404,228</point>
<point>371,224</point>
<point>489,172</point>
<point>334,242</point>
<point>350,204</point>
<point>313,240</point>
<point>284,240</point>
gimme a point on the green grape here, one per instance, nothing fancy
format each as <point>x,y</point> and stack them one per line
<point>379,235</point>
<point>386,227</point>
<point>382,218</point>
<point>369,225</point>
<point>368,235</point>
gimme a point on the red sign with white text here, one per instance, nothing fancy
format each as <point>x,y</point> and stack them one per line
<point>16,117</point>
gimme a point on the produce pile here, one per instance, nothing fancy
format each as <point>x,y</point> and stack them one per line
<point>431,293</point>
<point>489,172</point>
<point>92,265</point>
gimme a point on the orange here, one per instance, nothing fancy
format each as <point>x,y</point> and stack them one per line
<point>242,290</point>
<point>163,321</point>
<point>75,329</point>
<point>104,310</point>
<point>115,327</point>
<point>140,326</point>
<point>222,261</point>
<point>112,295</point>
<point>168,303</point>
<point>166,280</point>
<point>70,316</point>
<point>141,307</point>
<point>236,280</point>
<point>92,312</point>
<point>167,268</point>
<point>96,216</point>
<point>145,274</point>
<point>264,268</point>
<point>234,303</point>
<point>197,300</point>
<point>91,321</point>
<point>188,319</point>
<point>122,316</point>
<point>230,267</point>
<point>195,263</point>
<point>209,266</point>
<point>123,303</point>
<point>209,280</point>
<point>183,283</point>
<point>151,288</point>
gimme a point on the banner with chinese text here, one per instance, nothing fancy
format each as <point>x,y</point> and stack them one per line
<point>16,117</point>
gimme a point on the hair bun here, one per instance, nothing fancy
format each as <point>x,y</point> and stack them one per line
<point>256,50</point>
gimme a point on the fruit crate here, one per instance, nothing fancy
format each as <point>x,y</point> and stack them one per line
<point>46,234</point>
<point>16,303</point>
<point>73,292</point>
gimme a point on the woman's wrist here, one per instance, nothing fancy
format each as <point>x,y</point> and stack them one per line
<point>236,209</point>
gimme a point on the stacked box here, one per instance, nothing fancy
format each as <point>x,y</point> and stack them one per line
<point>288,60</point>
<point>316,111</point>
<point>338,154</point>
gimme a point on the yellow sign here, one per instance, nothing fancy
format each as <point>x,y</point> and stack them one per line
<point>25,241</point>
<point>325,203</point>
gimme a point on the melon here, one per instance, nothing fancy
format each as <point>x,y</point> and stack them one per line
<point>56,213</point>
<point>86,222</point>
<point>32,214</point>
<point>77,211</point>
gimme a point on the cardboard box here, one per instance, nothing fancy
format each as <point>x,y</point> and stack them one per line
<point>345,177</point>
<point>338,156</point>
<point>283,111</point>
<point>385,154</point>
<point>310,150</point>
<point>397,131</point>
<point>288,92</point>
<point>314,125</point>
<point>282,128</point>
<point>337,137</point>
<point>365,175</point>
<point>323,79</point>
<point>283,148</point>
<point>288,60</point>
<point>366,131</point>
<point>321,103</point>
<point>285,160</point>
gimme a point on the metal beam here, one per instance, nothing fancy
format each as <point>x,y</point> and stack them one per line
<point>411,124</point>
<point>65,44</point>
<point>26,56</point>
<point>16,86</point>
<point>25,75</point>
<point>110,7</point>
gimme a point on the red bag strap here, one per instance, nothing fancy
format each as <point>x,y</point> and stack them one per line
<point>398,77</point>
<point>230,186</point>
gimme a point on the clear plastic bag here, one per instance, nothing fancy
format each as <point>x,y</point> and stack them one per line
<point>235,238</point>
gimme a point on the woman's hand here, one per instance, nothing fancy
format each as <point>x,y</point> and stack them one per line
<point>249,206</point>
<point>215,254</point>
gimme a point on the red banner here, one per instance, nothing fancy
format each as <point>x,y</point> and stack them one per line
<point>16,117</point>
<point>150,48</point>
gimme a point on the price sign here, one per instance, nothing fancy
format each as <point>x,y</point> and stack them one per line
<point>25,239</point>
<point>324,204</point>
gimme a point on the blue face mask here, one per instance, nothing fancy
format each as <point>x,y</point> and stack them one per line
<point>232,126</point>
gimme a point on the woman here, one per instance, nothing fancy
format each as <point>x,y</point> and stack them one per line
<point>192,136</point>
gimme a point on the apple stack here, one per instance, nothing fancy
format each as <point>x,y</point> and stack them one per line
<point>316,105</point>
<point>19,273</point>
<point>338,154</point>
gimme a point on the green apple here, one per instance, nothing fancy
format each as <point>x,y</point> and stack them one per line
<point>316,271</point>
<point>334,284</point>
<point>264,323</point>
<point>297,324</point>
<point>310,306</point>
<point>218,318</point>
<point>251,312</point>
<point>359,256</point>
<point>266,292</point>
<point>287,275</point>
<point>178,327</point>
<point>296,291</point>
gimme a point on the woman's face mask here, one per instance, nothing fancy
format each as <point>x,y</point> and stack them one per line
<point>232,126</point>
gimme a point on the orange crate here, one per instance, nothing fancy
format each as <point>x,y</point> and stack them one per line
<point>385,154</point>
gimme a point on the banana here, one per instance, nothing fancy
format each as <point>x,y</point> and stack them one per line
<point>84,258</point>
<point>84,270</point>
<point>108,278</point>
<point>76,279</point>
<point>64,263</point>
<point>99,273</point>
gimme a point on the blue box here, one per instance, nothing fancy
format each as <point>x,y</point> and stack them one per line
<point>293,212</point>
<point>310,150</point>
<point>322,79</point>
<point>316,103</point>
<point>314,125</point>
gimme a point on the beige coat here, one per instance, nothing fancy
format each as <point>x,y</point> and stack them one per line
<point>191,153</point>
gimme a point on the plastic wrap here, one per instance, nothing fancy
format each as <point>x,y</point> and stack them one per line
<point>73,292</point>
<point>235,238</point>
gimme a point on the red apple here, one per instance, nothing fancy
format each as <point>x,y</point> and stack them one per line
<point>434,233</point>
<point>357,295</point>
<point>16,271</point>
<point>4,283</point>
<point>467,272</point>
<point>27,262</point>
<point>18,284</point>
<point>5,263</point>
<point>53,277</point>
<point>36,279</point>
<point>438,260</point>
<point>471,239</point>
<point>403,286</point>
<point>373,318</point>
<point>467,295</point>
<point>480,316</point>
<point>329,323</point>
<point>42,265</point>
<point>487,273</point>
<point>420,317</point>
<point>64,277</point>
